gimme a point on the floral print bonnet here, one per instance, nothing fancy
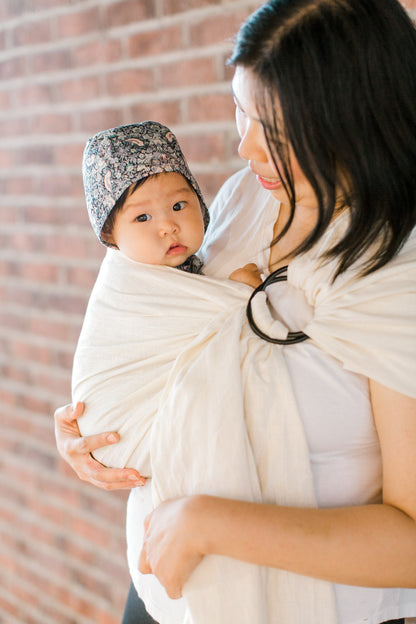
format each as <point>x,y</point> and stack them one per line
<point>116,158</point>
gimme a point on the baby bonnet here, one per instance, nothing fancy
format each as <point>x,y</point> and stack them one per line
<point>116,158</point>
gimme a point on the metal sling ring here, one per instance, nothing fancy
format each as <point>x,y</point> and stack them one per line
<point>280,275</point>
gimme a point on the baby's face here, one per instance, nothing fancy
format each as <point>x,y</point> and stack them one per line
<point>161,222</point>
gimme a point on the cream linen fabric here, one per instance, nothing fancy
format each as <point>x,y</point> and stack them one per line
<point>203,405</point>
<point>369,324</point>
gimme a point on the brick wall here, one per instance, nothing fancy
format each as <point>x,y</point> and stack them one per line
<point>69,68</point>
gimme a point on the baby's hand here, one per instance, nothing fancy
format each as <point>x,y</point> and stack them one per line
<point>249,275</point>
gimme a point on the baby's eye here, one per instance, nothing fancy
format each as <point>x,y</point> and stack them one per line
<point>179,206</point>
<point>143,217</point>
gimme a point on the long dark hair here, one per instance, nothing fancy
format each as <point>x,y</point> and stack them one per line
<point>344,74</point>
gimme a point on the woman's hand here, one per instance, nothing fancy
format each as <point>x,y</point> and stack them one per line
<point>76,451</point>
<point>172,543</point>
<point>248,274</point>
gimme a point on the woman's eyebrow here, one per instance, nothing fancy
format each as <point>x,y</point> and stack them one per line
<point>242,108</point>
<point>235,97</point>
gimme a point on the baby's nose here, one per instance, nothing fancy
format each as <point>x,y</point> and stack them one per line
<point>168,226</point>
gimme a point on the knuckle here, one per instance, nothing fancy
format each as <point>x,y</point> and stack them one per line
<point>82,446</point>
<point>62,412</point>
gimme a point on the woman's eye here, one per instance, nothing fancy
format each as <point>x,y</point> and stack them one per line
<point>179,206</point>
<point>142,217</point>
<point>239,110</point>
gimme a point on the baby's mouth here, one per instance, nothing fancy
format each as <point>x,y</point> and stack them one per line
<point>176,249</point>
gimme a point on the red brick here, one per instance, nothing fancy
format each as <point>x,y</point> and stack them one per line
<point>9,215</point>
<point>49,61</point>
<point>36,155</point>
<point>214,107</point>
<point>37,272</point>
<point>203,148</point>
<point>91,532</point>
<point>170,7</point>
<point>51,258</point>
<point>60,185</point>
<point>13,127</point>
<point>32,33</point>
<point>19,185</point>
<point>11,8</point>
<point>69,304</point>
<point>155,42</point>
<point>12,68</point>
<point>50,123</point>
<point>33,95</point>
<point>216,29</point>
<point>129,81</point>
<point>189,72</point>
<point>79,89</point>
<point>57,214</point>
<point>76,24</point>
<point>168,113</point>
<point>15,374</point>
<point>67,246</point>
<point>7,158</point>
<point>41,214</point>
<point>26,351</point>
<point>47,4</point>
<point>51,383</point>
<point>97,52</point>
<point>64,360</point>
<point>69,154</point>
<point>81,276</point>
<point>97,120</point>
<point>7,397</point>
<point>4,100</point>
<point>128,12</point>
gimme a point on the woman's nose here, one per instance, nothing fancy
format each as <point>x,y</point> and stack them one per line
<point>253,143</point>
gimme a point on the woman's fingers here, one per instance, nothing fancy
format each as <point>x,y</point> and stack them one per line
<point>144,566</point>
<point>169,550</point>
<point>109,478</point>
<point>76,451</point>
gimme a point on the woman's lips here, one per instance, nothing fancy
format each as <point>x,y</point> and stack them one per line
<point>176,249</point>
<point>269,184</point>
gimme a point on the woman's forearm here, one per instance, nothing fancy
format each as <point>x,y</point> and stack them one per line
<point>373,545</point>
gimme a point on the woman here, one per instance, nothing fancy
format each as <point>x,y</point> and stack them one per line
<point>325,93</point>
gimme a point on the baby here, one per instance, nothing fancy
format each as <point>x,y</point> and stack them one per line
<point>143,200</point>
<point>145,205</point>
<point>167,359</point>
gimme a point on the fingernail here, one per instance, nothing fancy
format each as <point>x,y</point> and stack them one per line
<point>112,437</point>
<point>138,481</point>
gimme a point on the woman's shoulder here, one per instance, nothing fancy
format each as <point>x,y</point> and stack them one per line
<point>314,267</point>
<point>241,224</point>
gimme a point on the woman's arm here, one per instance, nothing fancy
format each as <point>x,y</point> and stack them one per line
<point>76,451</point>
<point>373,545</point>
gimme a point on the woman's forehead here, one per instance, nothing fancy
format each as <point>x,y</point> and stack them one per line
<point>243,88</point>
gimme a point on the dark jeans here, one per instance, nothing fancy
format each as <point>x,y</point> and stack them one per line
<point>135,612</point>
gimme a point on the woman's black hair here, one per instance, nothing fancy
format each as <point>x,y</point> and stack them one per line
<point>344,75</point>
